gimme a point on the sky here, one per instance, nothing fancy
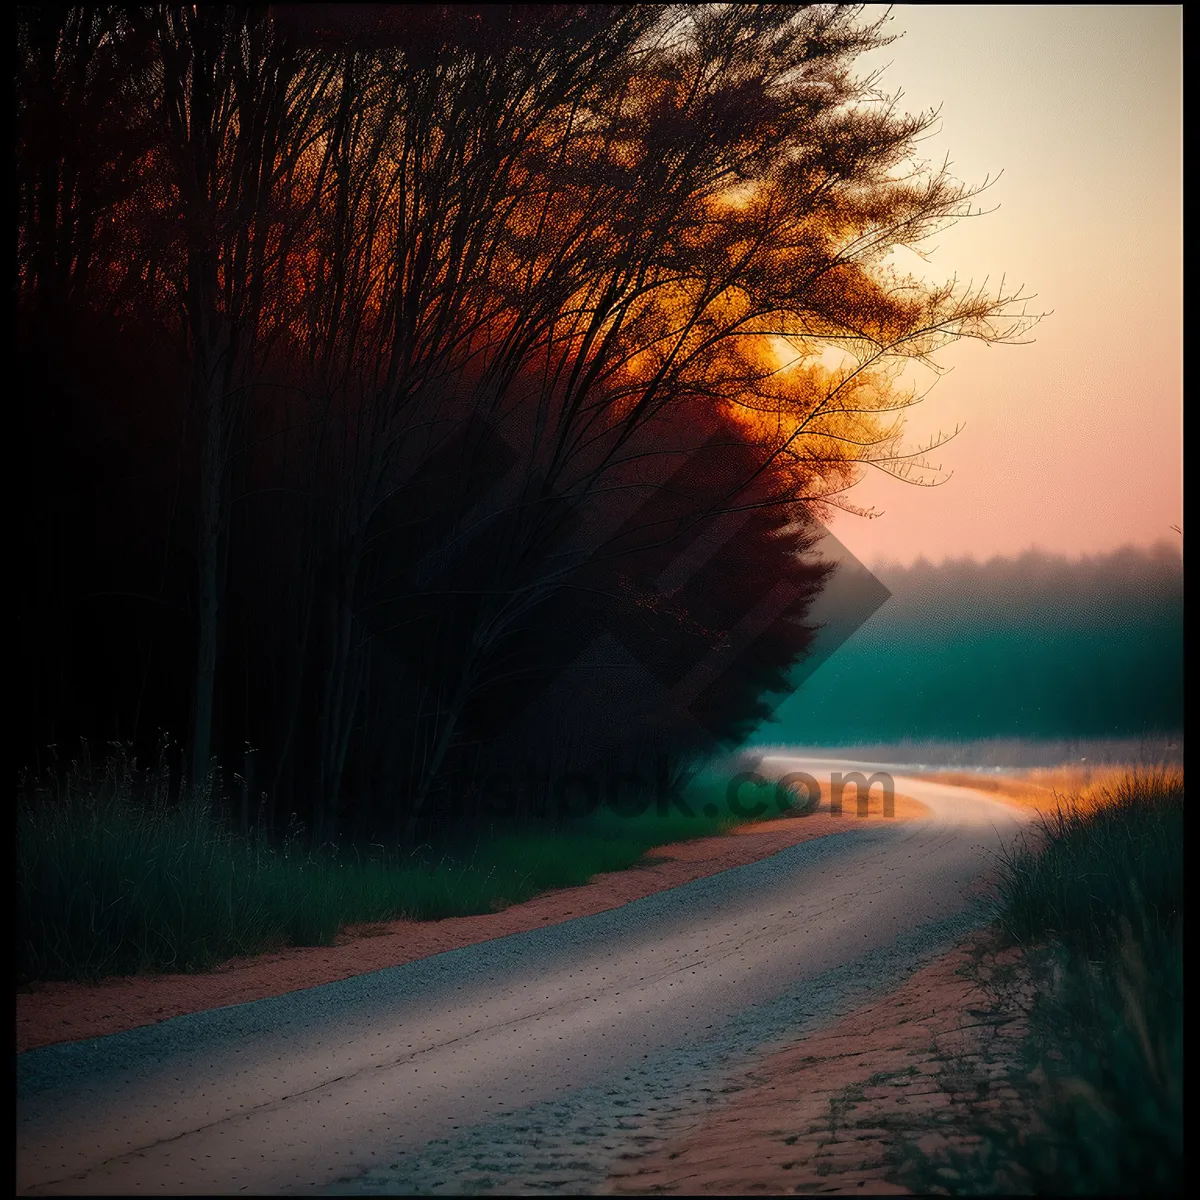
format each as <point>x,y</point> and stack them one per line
<point>1072,444</point>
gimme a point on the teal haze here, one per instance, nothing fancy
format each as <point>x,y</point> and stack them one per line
<point>1034,646</point>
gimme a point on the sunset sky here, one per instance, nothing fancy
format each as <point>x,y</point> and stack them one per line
<point>1074,443</point>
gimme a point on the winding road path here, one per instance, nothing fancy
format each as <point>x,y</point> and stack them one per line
<point>530,1062</point>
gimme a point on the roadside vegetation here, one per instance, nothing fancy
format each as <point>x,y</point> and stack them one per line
<point>1095,903</point>
<point>119,873</point>
<point>1103,903</point>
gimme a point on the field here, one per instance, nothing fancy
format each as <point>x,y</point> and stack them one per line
<point>999,754</point>
<point>1078,785</point>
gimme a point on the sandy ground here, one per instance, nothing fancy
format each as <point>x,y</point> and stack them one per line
<point>50,1013</point>
<point>864,1106</point>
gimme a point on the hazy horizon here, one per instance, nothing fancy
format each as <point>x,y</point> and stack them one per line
<point>1160,547</point>
<point>1033,646</point>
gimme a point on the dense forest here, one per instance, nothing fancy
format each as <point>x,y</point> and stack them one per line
<point>1036,646</point>
<point>410,391</point>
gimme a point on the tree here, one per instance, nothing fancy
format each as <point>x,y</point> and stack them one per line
<point>491,318</point>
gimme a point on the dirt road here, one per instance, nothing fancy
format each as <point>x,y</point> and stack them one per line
<point>530,1062</point>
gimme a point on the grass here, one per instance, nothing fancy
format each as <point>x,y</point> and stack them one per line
<point>117,876</point>
<point>1095,901</point>
<point>1109,858</point>
<point>1102,902</point>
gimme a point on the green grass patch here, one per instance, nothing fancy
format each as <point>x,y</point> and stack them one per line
<point>116,877</point>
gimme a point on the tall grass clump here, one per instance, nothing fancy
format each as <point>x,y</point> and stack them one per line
<point>120,872</point>
<point>1099,906</point>
<point>1119,856</point>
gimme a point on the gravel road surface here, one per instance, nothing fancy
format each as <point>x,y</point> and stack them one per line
<point>530,1063</point>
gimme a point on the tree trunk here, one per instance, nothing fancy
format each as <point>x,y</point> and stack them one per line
<point>208,582</point>
<point>441,748</point>
<point>247,790</point>
<point>340,695</point>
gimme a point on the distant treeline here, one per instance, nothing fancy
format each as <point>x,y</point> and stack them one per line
<point>1034,646</point>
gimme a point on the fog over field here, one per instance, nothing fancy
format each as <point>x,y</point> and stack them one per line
<point>1031,647</point>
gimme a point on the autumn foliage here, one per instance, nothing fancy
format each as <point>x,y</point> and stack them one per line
<point>411,389</point>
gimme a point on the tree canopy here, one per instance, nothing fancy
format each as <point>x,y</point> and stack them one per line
<point>382,362</point>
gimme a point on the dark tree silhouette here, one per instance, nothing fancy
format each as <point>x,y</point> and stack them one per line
<point>445,345</point>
